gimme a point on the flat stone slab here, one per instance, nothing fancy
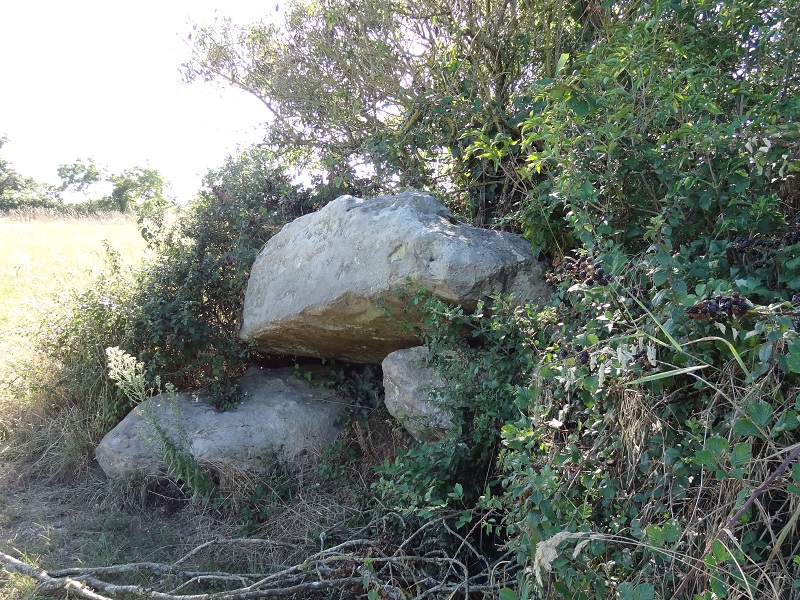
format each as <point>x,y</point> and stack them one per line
<point>282,419</point>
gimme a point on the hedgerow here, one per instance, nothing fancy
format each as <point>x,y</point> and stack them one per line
<point>639,434</point>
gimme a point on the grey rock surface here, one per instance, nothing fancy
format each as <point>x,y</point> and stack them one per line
<point>282,420</point>
<point>322,286</point>
<point>409,382</point>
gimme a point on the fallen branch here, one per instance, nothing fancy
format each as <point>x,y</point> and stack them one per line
<point>46,582</point>
<point>357,565</point>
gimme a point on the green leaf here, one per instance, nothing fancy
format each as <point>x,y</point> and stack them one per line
<point>507,594</point>
<point>761,413</point>
<point>718,445</point>
<point>741,454</point>
<point>705,458</point>
<point>562,62</point>
<point>660,277</point>
<point>719,551</point>
<point>793,357</point>
<point>655,536</point>
<point>643,591</point>
<point>458,492</point>
<point>672,531</point>
<point>581,107</point>
<point>745,426</point>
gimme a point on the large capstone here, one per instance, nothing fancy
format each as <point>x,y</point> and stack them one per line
<point>282,420</point>
<point>336,283</point>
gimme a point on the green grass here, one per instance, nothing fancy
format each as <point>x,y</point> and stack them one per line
<point>40,262</point>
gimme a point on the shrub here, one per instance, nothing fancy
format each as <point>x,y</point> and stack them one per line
<point>179,313</point>
<point>75,342</point>
<point>189,297</point>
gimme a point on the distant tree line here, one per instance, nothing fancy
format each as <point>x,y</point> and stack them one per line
<point>138,190</point>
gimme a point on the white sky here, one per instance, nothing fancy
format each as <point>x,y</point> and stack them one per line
<point>100,79</point>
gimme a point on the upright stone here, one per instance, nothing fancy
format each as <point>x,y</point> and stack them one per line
<point>411,387</point>
<point>327,284</point>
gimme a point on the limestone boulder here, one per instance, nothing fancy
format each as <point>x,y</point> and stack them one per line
<point>412,397</point>
<point>282,419</point>
<point>331,284</point>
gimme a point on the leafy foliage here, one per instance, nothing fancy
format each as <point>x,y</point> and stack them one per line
<point>394,94</point>
<point>189,298</point>
<point>17,191</point>
<point>635,437</point>
<point>180,313</point>
<point>76,339</point>
<point>655,399</point>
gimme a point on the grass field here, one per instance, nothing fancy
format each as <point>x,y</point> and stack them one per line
<point>53,519</point>
<point>40,261</point>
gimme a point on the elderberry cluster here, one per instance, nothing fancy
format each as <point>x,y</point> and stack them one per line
<point>582,269</point>
<point>720,308</point>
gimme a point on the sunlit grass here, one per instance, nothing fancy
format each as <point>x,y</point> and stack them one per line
<point>41,260</point>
